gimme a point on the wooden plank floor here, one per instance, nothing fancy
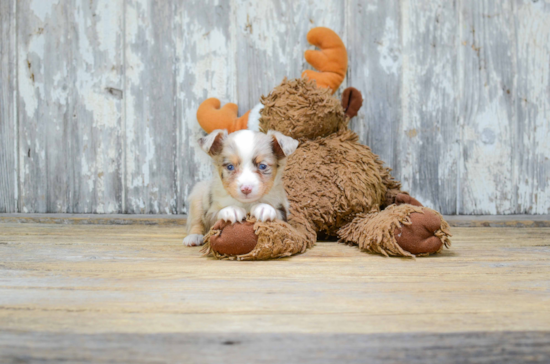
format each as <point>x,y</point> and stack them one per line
<point>101,293</point>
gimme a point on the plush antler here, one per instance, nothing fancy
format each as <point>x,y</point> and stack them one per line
<point>211,117</point>
<point>331,60</point>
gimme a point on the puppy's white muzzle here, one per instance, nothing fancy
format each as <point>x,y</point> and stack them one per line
<point>248,185</point>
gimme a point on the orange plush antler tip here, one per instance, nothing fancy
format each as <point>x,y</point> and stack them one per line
<point>211,117</point>
<point>331,60</point>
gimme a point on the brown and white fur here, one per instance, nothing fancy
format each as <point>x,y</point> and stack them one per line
<point>248,179</point>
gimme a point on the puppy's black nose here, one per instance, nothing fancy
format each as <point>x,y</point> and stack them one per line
<point>246,189</point>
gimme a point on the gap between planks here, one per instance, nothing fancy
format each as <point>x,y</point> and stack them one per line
<point>150,219</point>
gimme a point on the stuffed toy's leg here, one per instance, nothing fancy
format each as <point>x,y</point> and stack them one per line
<point>404,229</point>
<point>255,240</point>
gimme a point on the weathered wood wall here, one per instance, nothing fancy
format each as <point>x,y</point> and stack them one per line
<point>98,97</point>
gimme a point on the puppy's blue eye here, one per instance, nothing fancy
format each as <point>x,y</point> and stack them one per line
<point>230,167</point>
<point>262,166</point>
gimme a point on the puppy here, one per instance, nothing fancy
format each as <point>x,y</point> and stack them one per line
<point>248,179</point>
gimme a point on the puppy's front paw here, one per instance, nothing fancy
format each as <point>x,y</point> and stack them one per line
<point>193,240</point>
<point>264,212</point>
<point>232,214</point>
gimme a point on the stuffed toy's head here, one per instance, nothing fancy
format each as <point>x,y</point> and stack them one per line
<point>305,108</point>
<point>294,105</point>
<point>300,109</point>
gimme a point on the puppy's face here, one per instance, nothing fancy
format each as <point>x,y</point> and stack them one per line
<point>248,162</point>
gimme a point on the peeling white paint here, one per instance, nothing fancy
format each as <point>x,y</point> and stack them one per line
<point>257,24</point>
<point>490,162</point>
<point>42,8</point>
<point>109,27</point>
<point>30,73</point>
<point>390,59</point>
<point>26,89</point>
<point>211,59</point>
<point>372,7</point>
<point>85,49</point>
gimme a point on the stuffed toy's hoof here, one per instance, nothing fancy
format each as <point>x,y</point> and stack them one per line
<point>400,230</point>
<point>419,237</point>
<point>233,239</point>
<point>255,240</point>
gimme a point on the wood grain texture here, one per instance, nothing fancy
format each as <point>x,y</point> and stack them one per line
<point>375,70</point>
<point>114,274</point>
<point>487,111</point>
<point>101,116</point>
<point>70,90</point>
<point>103,219</point>
<point>518,221</point>
<point>150,125</point>
<point>64,285</point>
<point>205,67</point>
<point>290,348</point>
<point>8,108</point>
<point>428,138</point>
<point>532,149</point>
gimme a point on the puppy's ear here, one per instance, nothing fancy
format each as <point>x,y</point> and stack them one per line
<point>213,142</point>
<point>283,146</point>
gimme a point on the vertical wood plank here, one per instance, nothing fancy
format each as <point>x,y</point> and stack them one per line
<point>487,112</point>
<point>532,151</point>
<point>8,110</point>
<point>70,90</point>
<point>375,58</point>
<point>150,119</point>
<point>271,40</point>
<point>205,67</point>
<point>428,138</point>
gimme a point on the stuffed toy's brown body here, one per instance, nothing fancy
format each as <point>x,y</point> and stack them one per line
<point>337,187</point>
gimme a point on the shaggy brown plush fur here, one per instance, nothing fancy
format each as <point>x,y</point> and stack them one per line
<point>330,180</point>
